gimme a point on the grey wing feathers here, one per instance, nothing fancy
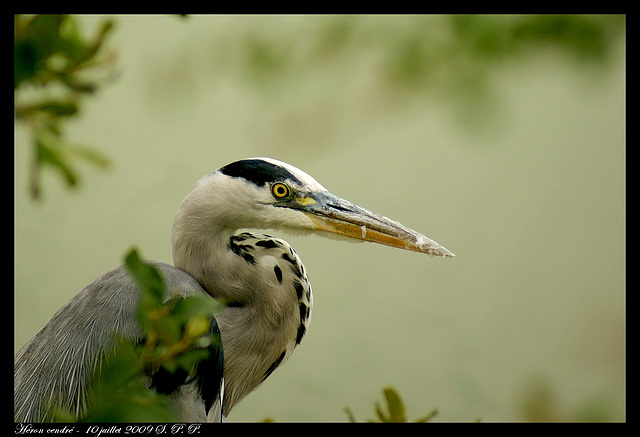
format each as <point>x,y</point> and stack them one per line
<point>55,366</point>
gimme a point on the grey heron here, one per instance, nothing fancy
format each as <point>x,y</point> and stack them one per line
<point>259,277</point>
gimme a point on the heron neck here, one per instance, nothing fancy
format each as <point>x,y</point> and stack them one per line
<point>202,247</point>
<point>201,235</point>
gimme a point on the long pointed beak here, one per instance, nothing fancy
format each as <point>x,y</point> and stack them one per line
<point>333,214</point>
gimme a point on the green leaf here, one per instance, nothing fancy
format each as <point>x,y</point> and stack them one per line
<point>105,29</point>
<point>395,409</point>
<point>146,276</point>
<point>350,416</point>
<point>139,405</point>
<point>48,152</point>
<point>150,302</point>
<point>427,417</point>
<point>90,155</point>
<point>188,360</point>
<point>195,306</point>
<point>42,31</point>
<point>54,107</point>
<point>60,415</point>
<point>394,405</point>
<point>197,326</point>
<point>168,329</point>
<point>382,417</point>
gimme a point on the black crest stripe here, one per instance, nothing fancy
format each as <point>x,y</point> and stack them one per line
<point>258,171</point>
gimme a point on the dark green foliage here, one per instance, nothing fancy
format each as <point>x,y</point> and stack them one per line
<point>119,393</point>
<point>50,48</point>
<point>176,337</point>
<point>177,331</point>
<point>52,66</point>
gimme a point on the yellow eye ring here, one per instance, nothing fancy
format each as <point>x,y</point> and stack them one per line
<point>280,190</point>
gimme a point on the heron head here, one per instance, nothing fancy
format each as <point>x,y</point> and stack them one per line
<point>272,194</point>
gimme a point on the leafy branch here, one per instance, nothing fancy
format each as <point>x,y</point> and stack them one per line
<point>176,336</point>
<point>395,409</point>
<point>53,68</point>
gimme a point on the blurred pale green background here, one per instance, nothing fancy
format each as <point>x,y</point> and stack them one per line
<point>519,169</point>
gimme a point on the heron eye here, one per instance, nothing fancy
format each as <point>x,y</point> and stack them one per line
<point>280,190</point>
